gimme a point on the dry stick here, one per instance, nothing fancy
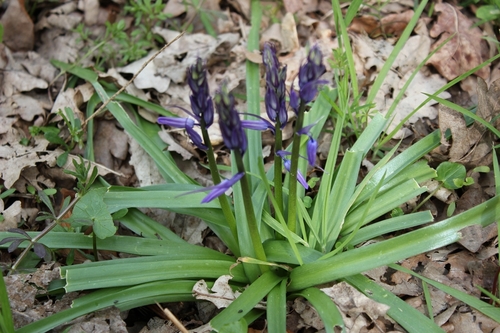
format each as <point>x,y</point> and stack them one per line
<point>133,78</point>
<point>173,319</point>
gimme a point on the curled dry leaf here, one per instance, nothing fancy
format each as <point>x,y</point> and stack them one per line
<point>466,49</point>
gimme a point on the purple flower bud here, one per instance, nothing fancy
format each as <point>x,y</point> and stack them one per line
<point>312,147</point>
<point>201,102</point>
<point>188,125</point>
<point>288,164</point>
<point>229,121</point>
<point>275,85</point>
<point>309,74</point>
<point>269,57</point>
<point>221,188</point>
<point>258,125</point>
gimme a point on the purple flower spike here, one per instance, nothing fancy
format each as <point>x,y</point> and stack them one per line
<point>221,188</point>
<point>309,74</point>
<point>201,102</point>
<point>229,121</point>
<point>312,147</point>
<point>187,124</point>
<point>275,85</point>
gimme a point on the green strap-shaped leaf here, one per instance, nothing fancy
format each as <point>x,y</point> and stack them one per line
<point>247,300</point>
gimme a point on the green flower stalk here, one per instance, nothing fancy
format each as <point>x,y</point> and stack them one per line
<point>234,137</point>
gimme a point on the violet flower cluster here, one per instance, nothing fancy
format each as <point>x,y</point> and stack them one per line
<point>201,105</point>
<point>232,127</point>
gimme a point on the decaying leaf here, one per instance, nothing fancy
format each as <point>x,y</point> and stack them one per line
<point>221,294</point>
<point>466,49</point>
<point>354,305</point>
<point>471,146</point>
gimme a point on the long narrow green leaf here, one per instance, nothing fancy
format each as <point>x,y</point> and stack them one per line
<point>389,251</point>
<point>487,309</point>
<point>341,193</point>
<point>6,322</point>
<point>395,52</point>
<point>122,298</point>
<point>390,225</point>
<point>145,226</point>
<point>276,308</point>
<point>327,310</point>
<point>467,113</point>
<point>405,315</point>
<point>247,300</point>
<point>383,203</point>
<point>400,162</point>
<point>125,244</point>
<point>133,271</point>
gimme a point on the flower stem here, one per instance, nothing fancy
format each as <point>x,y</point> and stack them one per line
<point>250,214</point>
<point>292,195</point>
<point>226,208</point>
<point>278,165</point>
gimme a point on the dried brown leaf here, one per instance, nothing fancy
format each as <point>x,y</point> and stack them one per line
<point>466,49</point>
<point>18,29</point>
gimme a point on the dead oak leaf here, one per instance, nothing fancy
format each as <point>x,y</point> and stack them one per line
<point>464,51</point>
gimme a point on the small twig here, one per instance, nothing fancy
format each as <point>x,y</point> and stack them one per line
<point>133,78</point>
<point>173,319</point>
<point>43,233</point>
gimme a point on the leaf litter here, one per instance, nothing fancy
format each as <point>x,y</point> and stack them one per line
<point>28,78</point>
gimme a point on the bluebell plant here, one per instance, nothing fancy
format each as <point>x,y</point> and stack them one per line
<point>232,128</point>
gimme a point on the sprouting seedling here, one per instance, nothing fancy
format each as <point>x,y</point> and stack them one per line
<point>452,176</point>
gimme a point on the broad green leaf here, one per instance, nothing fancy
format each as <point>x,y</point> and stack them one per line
<point>449,172</point>
<point>133,271</point>
<point>91,207</point>
<point>276,308</point>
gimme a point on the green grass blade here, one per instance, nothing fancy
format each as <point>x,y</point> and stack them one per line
<point>467,113</point>
<point>247,300</point>
<point>395,52</point>
<point>327,310</point>
<point>276,308</point>
<point>487,309</point>
<point>404,314</point>
<point>392,250</point>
